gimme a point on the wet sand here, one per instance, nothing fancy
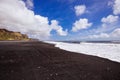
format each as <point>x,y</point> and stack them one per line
<point>34,60</point>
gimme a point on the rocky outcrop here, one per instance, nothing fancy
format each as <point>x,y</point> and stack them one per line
<point>10,35</point>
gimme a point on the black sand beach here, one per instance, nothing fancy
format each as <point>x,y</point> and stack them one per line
<point>33,60</point>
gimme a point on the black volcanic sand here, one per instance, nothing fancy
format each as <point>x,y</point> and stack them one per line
<point>35,60</point>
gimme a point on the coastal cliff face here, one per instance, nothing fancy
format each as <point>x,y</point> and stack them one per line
<point>10,35</point>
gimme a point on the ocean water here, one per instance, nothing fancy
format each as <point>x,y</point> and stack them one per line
<point>109,50</point>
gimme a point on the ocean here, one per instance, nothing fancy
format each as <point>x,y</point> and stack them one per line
<point>105,49</point>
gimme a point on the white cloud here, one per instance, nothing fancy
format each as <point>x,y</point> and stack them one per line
<point>80,9</point>
<point>109,29</point>
<point>29,4</point>
<point>15,16</point>
<point>81,24</point>
<point>109,23</point>
<point>110,19</point>
<point>114,35</point>
<point>59,29</point>
<point>116,7</point>
<point>110,3</point>
<point>101,35</point>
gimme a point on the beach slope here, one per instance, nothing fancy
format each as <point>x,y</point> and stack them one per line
<point>34,60</point>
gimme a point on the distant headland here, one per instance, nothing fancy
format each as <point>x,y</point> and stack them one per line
<point>10,35</point>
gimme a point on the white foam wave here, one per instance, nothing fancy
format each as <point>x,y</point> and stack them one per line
<point>106,50</point>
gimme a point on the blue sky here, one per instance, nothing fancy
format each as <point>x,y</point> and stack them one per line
<point>64,12</point>
<point>63,19</point>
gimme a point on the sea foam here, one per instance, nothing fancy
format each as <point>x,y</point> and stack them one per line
<point>110,51</point>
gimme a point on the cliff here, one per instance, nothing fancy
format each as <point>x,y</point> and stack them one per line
<point>10,35</point>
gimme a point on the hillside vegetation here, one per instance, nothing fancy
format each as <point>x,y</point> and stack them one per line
<point>10,35</point>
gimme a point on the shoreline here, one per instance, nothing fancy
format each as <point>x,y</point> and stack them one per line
<point>92,49</point>
<point>42,61</point>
